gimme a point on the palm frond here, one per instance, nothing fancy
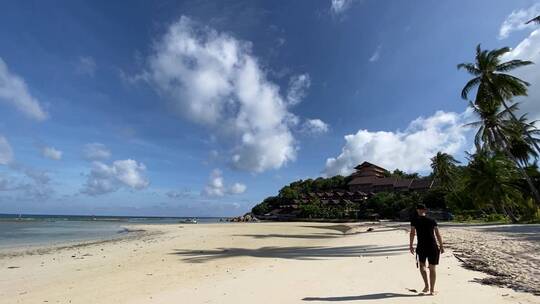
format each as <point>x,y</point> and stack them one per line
<point>535,20</point>
<point>469,86</point>
<point>469,67</point>
<point>512,64</point>
<point>495,54</point>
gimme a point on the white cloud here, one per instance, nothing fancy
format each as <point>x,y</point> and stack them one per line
<point>339,6</point>
<point>51,153</point>
<point>86,65</point>
<point>409,150</point>
<point>517,19</point>
<point>126,173</point>
<point>237,188</point>
<point>298,86</point>
<point>528,49</point>
<point>6,153</point>
<point>13,90</point>
<point>314,126</point>
<point>216,186</point>
<point>214,80</point>
<point>96,151</point>
<point>376,55</point>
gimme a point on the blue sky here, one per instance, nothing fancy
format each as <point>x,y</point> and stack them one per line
<point>206,107</point>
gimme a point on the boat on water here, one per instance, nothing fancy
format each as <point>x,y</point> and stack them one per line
<point>189,221</point>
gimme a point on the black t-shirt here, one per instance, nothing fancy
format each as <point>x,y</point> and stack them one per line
<point>425,232</point>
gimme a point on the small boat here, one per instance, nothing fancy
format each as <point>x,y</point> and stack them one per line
<point>189,221</point>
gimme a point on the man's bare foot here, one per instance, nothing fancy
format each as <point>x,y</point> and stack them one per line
<point>426,289</point>
<point>432,293</point>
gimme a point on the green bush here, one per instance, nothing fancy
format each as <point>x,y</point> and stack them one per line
<point>463,218</point>
<point>495,217</point>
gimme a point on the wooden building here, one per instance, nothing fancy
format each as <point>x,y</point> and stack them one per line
<point>370,178</point>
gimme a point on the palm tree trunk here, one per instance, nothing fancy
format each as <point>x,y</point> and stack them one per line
<point>510,214</point>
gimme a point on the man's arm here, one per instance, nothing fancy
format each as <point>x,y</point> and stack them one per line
<point>411,239</point>
<point>439,239</point>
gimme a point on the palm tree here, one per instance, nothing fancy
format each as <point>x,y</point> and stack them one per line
<point>490,134</point>
<point>494,88</point>
<point>491,179</point>
<point>444,165</point>
<point>490,75</point>
<point>492,83</point>
<point>494,135</point>
<point>520,145</point>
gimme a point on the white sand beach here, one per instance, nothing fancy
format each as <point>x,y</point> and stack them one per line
<point>243,263</point>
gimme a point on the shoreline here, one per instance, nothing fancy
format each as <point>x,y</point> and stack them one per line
<point>40,249</point>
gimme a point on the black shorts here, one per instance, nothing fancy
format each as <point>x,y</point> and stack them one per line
<point>431,255</point>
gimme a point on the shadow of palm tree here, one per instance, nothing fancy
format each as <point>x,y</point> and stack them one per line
<point>375,296</point>
<point>297,253</point>
<point>352,229</point>
<point>530,232</point>
<point>341,228</point>
<point>294,236</point>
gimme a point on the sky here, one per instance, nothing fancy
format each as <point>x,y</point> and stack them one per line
<point>204,108</point>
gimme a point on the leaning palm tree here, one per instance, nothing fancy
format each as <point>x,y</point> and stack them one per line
<point>492,83</point>
<point>490,134</point>
<point>520,145</point>
<point>444,165</point>
<point>491,179</point>
<point>493,135</point>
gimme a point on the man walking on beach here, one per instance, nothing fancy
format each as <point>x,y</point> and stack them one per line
<point>426,248</point>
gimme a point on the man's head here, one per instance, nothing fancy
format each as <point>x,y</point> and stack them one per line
<point>421,209</point>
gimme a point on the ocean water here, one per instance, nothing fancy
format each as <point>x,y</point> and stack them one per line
<point>40,230</point>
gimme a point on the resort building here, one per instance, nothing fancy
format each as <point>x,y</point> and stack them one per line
<point>370,178</point>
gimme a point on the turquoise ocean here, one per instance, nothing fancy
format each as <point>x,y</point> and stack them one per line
<point>41,230</point>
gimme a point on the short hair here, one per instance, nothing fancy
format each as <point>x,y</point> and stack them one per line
<point>420,206</point>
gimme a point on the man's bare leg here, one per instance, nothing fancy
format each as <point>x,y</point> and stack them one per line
<point>432,277</point>
<point>423,272</point>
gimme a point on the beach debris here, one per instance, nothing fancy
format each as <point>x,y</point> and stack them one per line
<point>369,229</point>
<point>13,267</point>
<point>481,251</point>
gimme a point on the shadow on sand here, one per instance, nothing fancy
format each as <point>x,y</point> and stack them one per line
<point>374,296</point>
<point>297,253</point>
<point>528,232</point>
<point>293,236</point>
<point>340,228</point>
